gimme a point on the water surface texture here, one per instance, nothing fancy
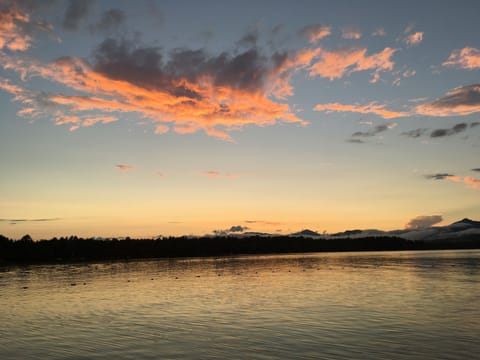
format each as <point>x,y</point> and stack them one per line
<point>395,305</point>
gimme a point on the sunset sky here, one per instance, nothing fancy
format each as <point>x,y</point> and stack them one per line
<point>145,118</point>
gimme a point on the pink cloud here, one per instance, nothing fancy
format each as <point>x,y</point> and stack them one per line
<point>335,64</point>
<point>371,108</point>
<point>161,129</point>
<point>466,58</point>
<point>124,167</point>
<point>468,180</point>
<point>414,39</point>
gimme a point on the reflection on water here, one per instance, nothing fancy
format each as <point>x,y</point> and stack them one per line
<point>393,305</point>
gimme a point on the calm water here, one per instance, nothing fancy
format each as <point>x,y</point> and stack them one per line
<point>388,305</point>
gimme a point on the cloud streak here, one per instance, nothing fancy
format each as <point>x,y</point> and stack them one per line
<point>124,167</point>
<point>471,182</point>
<point>213,174</point>
<point>371,108</point>
<point>464,100</point>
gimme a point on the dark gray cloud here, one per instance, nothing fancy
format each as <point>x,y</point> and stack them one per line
<point>110,20</point>
<point>249,39</point>
<point>473,124</point>
<point>149,67</point>
<point>422,222</point>
<point>439,176</point>
<point>460,101</point>
<point>374,131</point>
<point>414,133</point>
<point>76,12</point>
<point>238,228</point>
<point>232,230</point>
<point>29,220</point>
<point>458,128</point>
<point>476,169</point>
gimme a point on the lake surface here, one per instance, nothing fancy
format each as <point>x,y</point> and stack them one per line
<point>383,305</point>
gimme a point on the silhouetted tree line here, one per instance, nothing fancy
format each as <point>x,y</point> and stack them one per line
<point>79,249</point>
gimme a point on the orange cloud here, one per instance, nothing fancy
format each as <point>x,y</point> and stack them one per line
<point>12,35</point>
<point>466,58</point>
<point>414,39</point>
<point>336,64</point>
<point>211,101</point>
<point>371,108</point>
<point>316,32</point>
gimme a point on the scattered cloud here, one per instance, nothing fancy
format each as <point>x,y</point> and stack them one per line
<point>449,132</point>
<point>337,63</point>
<point>355,141</point>
<point>351,33</point>
<point>463,100</point>
<point>212,174</point>
<point>376,130</point>
<point>413,39</point>
<point>316,32</point>
<point>421,222</point>
<point>75,12</point>
<point>124,167</point>
<point>371,108</point>
<point>466,58</point>
<point>416,133</point>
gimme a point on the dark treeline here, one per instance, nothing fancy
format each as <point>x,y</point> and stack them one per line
<point>77,249</point>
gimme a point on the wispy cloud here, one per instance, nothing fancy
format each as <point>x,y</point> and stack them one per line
<point>371,108</point>
<point>416,133</point>
<point>316,32</point>
<point>466,58</point>
<point>421,222</point>
<point>379,32</point>
<point>212,174</point>
<point>124,167</point>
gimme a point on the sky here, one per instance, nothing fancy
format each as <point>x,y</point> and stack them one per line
<point>147,118</point>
